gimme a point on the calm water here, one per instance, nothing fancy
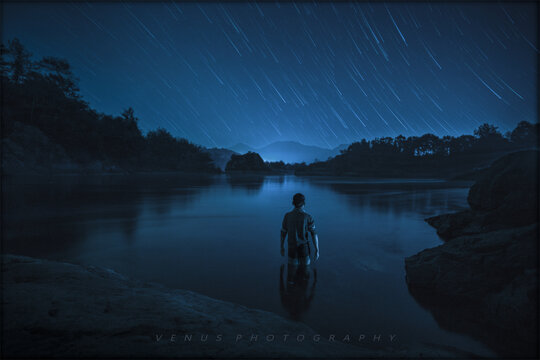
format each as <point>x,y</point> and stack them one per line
<point>220,236</point>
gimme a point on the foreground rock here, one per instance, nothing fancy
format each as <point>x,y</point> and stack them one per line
<point>60,310</point>
<point>484,280</point>
<point>54,309</point>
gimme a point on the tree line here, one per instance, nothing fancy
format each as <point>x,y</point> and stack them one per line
<point>427,154</point>
<point>44,94</point>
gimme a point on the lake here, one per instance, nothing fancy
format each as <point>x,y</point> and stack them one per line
<point>219,236</point>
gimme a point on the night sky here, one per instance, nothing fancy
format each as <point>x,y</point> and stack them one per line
<point>318,73</point>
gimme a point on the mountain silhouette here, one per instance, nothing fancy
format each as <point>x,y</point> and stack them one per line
<point>241,148</point>
<point>290,151</point>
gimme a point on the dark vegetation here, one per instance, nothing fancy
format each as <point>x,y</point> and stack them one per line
<point>465,156</point>
<point>43,113</point>
<point>427,155</point>
<point>252,162</point>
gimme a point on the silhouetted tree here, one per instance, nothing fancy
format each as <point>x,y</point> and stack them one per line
<point>427,144</point>
<point>250,161</point>
<point>59,72</point>
<point>489,138</point>
<point>485,131</point>
<point>44,94</point>
<point>525,134</point>
<point>399,143</point>
<point>19,64</point>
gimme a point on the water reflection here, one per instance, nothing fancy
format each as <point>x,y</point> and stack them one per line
<point>296,296</point>
<point>398,197</point>
<point>251,183</point>
<point>50,215</point>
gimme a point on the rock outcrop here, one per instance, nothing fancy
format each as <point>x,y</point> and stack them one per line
<point>508,192</point>
<point>54,309</point>
<point>27,149</point>
<point>61,310</point>
<point>483,281</point>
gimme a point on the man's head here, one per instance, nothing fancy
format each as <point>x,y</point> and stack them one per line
<point>298,200</point>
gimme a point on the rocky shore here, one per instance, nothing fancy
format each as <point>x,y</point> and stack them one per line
<point>61,310</point>
<point>483,281</point>
<point>54,309</point>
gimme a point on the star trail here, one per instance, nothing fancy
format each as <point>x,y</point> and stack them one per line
<point>319,73</point>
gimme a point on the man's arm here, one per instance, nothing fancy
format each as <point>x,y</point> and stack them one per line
<point>315,240</point>
<point>282,248</point>
<point>283,235</point>
<point>314,237</point>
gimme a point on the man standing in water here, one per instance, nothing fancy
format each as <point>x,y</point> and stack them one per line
<point>297,223</point>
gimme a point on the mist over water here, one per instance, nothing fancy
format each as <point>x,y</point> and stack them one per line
<point>219,236</point>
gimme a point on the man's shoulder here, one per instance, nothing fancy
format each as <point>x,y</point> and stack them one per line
<point>306,215</point>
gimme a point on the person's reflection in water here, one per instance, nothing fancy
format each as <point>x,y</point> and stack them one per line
<point>293,291</point>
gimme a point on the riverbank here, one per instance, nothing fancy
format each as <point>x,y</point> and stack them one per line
<point>54,309</point>
<point>483,281</point>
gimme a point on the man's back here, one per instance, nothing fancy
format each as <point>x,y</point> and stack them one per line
<point>297,223</point>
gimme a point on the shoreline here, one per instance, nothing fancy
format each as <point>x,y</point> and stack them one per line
<point>245,174</point>
<point>60,309</point>
<point>483,279</point>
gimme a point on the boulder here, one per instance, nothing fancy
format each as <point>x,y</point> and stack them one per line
<point>509,189</point>
<point>483,280</point>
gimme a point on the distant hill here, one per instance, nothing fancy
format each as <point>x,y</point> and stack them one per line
<point>290,151</point>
